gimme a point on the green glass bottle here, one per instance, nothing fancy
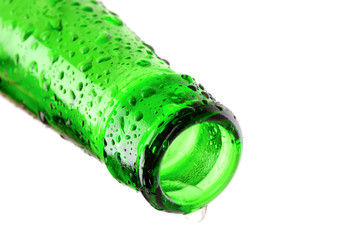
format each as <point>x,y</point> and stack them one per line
<point>80,70</point>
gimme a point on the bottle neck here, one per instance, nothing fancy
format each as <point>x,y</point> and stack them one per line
<point>144,127</point>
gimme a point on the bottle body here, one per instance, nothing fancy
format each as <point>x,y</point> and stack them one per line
<point>80,70</point>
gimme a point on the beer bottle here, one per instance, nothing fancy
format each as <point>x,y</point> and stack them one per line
<point>79,69</point>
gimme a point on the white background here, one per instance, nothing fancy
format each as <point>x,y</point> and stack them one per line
<point>289,70</point>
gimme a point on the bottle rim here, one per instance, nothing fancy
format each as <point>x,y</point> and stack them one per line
<point>150,163</point>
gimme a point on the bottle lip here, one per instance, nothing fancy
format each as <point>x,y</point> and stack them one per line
<point>149,169</point>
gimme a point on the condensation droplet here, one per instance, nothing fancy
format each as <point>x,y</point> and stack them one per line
<point>35,46</point>
<point>122,124</point>
<point>33,67</point>
<point>72,95</point>
<point>143,63</point>
<point>113,20</point>
<point>80,86</point>
<point>103,38</point>
<point>205,94</point>
<point>56,23</point>
<point>84,50</point>
<point>187,78</point>
<point>17,58</point>
<point>179,92</point>
<point>118,156</point>
<point>29,30</point>
<point>133,127</point>
<point>192,87</point>
<point>43,118</point>
<point>147,92</point>
<point>132,101</point>
<point>87,8</point>
<point>61,75</point>
<point>103,59</point>
<point>53,56</point>
<point>75,4</point>
<point>85,66</point>
<point>93,93</point>
<point>45,35</point>
<point>73,36</point>
<point>71,54</point>
<point>138,116</point>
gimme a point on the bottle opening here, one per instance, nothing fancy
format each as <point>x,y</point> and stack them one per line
<point>198,165</point>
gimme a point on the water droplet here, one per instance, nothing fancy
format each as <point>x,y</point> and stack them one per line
<point>205,94</point>
<point>61,75</point>
<point>72,95</point>
<point>17,58</point>
<point>103,59</point>
<point>43,118</point>
<point>103,38</point>
<point>165,61</point>
<point>147,92</point>
<point>122,124</point>
<point>71,54</point>
<point>33,67</point>
<point>80,86</point>
<point>75,4</point>
<point>113,20</point>
<point>132,101</point>
<point>143,63</point>
<point>192,87</point>
<point>118,156</point>
<point>73,36</point>
<point>45,35</point>
<point>34,46</point>
<point>138,116</point>
<point>93,93</point>
<point>29,29</point>
<point>56,23</point>
<point>118,138</point>
<point>85,66</point>
<point>187,78</point>
<point>46,86</point>
<point>53,56</point>
<point>179,92</point>
<point>87,8</point>
<point>44,82</point>
<point>84,50</point>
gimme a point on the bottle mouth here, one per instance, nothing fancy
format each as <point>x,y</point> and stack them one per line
<point>198,165</point>
<point>198,157</point>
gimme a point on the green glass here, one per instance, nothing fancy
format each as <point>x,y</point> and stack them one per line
<point>80,70</point>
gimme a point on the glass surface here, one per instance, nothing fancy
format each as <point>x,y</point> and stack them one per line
<point>80,70</point>
<point>198,164</point>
